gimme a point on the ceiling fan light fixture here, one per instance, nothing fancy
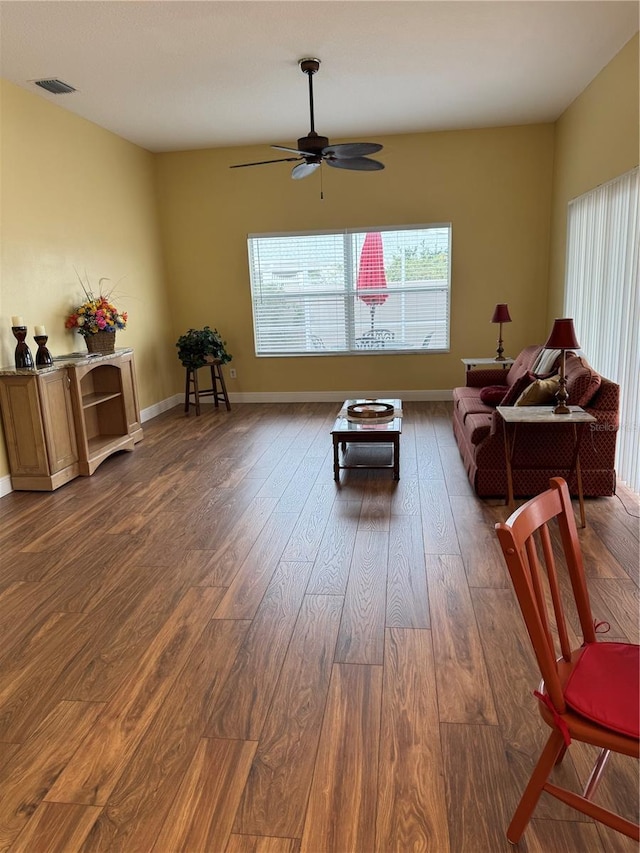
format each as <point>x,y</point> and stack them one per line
<point>303,170</point>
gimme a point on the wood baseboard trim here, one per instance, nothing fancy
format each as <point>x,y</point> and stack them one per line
<point>332,396</point>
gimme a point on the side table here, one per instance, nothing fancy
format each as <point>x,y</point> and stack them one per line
<point>470,363</point>
<point>544,415</point>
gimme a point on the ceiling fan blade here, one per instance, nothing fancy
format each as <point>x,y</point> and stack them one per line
<point>358,164</point>
<point>292,150</point>
<point>351,149</point>
<point>263,162</point>
<point>303,170</point>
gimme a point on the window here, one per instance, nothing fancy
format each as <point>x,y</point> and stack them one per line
<point>602,295</point>
<point>351,291</point>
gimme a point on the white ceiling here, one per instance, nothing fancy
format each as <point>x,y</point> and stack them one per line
<point>208,73</point>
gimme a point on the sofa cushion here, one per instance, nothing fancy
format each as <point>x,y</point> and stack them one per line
<point>472,406</point>
<point>582,380</point>
<point>487,376</point>
<point>471,393</point>
<point>517,388</point>
<point>492,395</point>
<point>539,392</point>
<point>523,363</point>
<point>478,426</point>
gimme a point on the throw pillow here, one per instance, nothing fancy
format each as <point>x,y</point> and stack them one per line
<point>546,361</point>
<point>492,395</point>
<point>539,392</point>
<point>517,388</point>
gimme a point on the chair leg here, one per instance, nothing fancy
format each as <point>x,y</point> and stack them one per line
<point>187,388</point>
<point>214,383</point>
<point>224,390</point>
<point>532,792</point>
<point>596,773</point>
<point>196,391</point>
<point>216,376</point>
<point>561,756</point>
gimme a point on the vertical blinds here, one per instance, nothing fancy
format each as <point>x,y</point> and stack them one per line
<point>311,296</point>
<point>602,295</point>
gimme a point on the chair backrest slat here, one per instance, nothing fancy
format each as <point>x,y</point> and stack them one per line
<point>552,577</point>
<point>533,566</point>
<point>575,566</point>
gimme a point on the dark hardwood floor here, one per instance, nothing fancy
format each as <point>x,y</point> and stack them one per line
<point>209,646</point>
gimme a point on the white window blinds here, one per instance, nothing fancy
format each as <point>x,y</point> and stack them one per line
<point>351,291</point>
<point>602,295</point>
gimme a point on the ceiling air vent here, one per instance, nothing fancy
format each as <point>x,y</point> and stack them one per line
<point>56,87</point>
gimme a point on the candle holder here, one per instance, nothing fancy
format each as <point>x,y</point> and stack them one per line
<point>43,356</point>
<point>23,353</point>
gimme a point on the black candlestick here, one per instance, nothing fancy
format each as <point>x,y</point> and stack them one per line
<point>43,356</point>
<point>23,353</point>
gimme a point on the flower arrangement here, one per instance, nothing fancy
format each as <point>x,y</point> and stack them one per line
<point>97,314</point>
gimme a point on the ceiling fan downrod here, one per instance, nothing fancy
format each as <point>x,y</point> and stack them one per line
<point>310,67</point>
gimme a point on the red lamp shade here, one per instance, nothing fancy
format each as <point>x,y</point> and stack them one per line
<point>501,313</point>
<point>563,335</point>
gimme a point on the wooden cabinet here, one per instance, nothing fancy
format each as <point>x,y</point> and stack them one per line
<point>39,429</point>
<point>130,394</point>
<point>63,421</point>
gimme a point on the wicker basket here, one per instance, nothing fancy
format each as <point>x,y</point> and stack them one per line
<point>102,342</point>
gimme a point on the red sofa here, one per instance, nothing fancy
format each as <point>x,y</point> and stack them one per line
<point>540,452</point>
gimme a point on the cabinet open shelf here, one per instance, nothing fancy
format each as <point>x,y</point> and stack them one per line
<point>101,443</point>
<point>95,398</point>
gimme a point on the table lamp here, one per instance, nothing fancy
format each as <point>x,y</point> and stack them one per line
<point>501,315</point>
<point>562,337</point>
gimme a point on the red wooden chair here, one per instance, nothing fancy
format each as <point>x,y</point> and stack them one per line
<point>589,694</point>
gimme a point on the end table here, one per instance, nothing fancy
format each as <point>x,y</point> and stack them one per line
<point>470,363</point>
<point>544,415</point>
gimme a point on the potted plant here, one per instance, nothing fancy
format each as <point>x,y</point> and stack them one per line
<point>201,346</point>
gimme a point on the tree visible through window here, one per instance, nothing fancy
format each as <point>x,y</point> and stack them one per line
<point>344,292</point>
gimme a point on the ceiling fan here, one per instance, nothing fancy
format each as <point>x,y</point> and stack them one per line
<point>314,149</point>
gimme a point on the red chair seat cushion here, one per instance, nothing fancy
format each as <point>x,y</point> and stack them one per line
<point>604,686</point>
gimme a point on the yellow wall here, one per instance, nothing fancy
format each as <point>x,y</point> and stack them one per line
<point>494,185</point>
<point>75,195</point>
<point>173,227</point>
<point>596,140</point>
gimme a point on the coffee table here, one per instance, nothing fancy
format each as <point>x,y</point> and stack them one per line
<point>367,431</point>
